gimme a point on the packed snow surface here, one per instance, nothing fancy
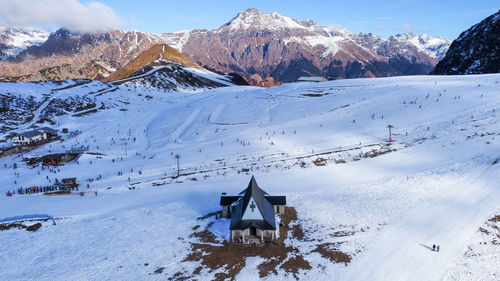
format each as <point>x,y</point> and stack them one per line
<point>437,185</point>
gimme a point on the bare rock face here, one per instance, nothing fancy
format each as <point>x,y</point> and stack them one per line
<point>475,51</point>
<point>15,40</point>
<point>162,67</point>
<point>157,53</point>
<point>256,79</point>
<point>69,55</point>
<point>283,48</point>
<point>277,48</point>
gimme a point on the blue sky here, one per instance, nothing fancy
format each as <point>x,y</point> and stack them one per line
<point>438,18</point>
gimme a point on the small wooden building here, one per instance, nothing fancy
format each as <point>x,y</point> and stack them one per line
<point>70,182</point>
<point>252,213</point>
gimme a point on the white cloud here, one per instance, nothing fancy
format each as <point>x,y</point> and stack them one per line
<point>408,28</point>
<point>71,14</point>
<point>404,28</point>
<point>336,27</point>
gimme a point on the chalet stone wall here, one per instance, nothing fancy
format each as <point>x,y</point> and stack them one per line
<point>279,209</point>
<point>244,234</point>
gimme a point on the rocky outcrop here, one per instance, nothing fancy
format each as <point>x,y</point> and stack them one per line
<point>475,51</point>
<point>15,40</point>
<point>153,55</point>
<point>164,68</point>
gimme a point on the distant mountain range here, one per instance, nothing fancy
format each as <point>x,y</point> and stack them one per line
<point>70,55</point>
<point>475,51</point>
<point>265,48</point>
<point>284,48</point>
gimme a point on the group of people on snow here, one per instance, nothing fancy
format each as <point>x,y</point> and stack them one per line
<point>435,248</point>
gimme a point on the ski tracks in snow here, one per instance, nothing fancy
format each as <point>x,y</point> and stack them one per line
<point>401,252</point>
<point>178,132</point>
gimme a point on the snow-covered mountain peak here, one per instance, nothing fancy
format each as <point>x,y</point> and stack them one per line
<point>17,39</point>
<point>255,19</point>
<point>434,47</point>
<point>308,22</point>
<point>32,34</point>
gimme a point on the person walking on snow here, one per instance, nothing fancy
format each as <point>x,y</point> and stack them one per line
<point>437,248</point>
<point>434,247</point>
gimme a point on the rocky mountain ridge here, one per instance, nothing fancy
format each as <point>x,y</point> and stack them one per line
<point>71,55</point>
<point>155,54</point>
<point>260,46</point>
<point>475,51</point>
<point>15,40</point>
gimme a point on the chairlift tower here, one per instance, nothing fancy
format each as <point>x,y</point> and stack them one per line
<point>177,157</point>
<point>390,134</point>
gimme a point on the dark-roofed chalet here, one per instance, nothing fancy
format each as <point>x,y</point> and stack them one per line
<point>252,213</point>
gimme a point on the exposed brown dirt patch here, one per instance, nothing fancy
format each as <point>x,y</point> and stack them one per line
<point>484,231</point>
<point>34,227</point>
<point>19,225</point>
<point>331,252</point>
<point>180,276</point>
<point>7,226</point>
<point>297,232</point>
<point>294,264</point>
<point>269,266</point>
<point>205,236</point>
<point>495,219</point>
<point>230,258</point>
<point>289,215</point>
<point>207,216</point>
<point>320,161</point>
<point>159,270</point>
<point>343,233</point>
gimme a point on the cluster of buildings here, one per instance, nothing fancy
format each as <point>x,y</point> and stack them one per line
<point>22,142</point>
<point>34,136</point>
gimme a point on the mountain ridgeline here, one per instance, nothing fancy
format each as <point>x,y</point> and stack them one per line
<point>162,67</point>
<point>268,44</point>
<point>475,51</point>
<point>265,48</point>
<point>156,54</point>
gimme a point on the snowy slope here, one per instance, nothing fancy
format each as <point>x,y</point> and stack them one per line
<point>436,184</point>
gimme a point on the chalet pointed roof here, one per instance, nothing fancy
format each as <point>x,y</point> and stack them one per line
<point>253,184</point>
<point>264,206</point>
